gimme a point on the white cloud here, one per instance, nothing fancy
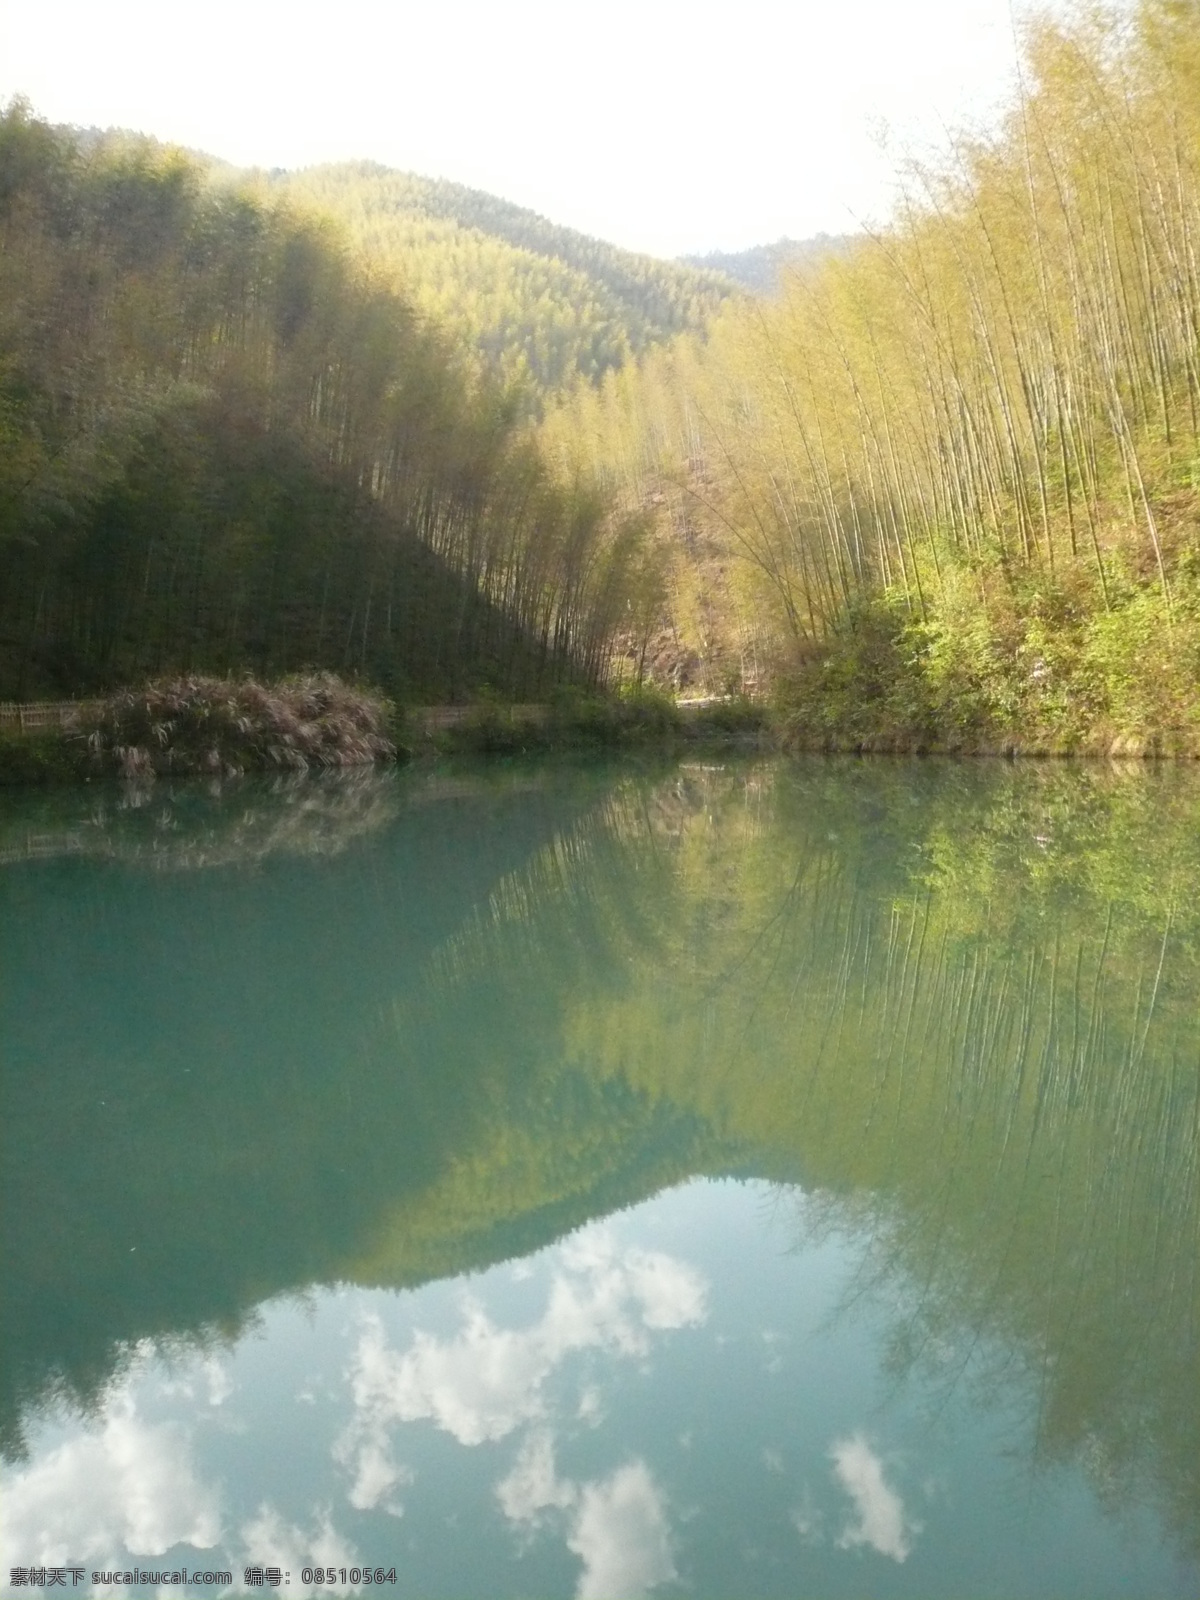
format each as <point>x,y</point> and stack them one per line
<point>268,1540</point>
<point>220,1384</point>
<point>591,1407</point>
<point>127,1485</point>
<point>486,1380</point>
<point>195,1376</point>
<point>672,1293</point>
<point>364,1445</point>
<point>621,1533</point>
<point>376,1473</point>
<point>533,1486</point>
<point>618,1527</point>
<point>881,1521</point>
<point>476,1386</point>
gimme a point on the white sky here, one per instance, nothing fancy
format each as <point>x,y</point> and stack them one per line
<point>659,125</point>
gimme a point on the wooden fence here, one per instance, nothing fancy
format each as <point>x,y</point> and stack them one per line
<point>434,719</point>
<point>42,714</point>
<point>45,846</point>
<point>430,719</point>
<point>425,719</point>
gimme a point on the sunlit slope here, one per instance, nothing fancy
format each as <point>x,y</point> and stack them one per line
<point>544,305</point>
<point>761,268</point>
<point>944,483</point>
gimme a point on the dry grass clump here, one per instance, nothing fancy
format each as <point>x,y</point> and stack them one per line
<point>224,727</point>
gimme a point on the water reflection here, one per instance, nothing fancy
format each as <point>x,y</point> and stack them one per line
<point>880,1519</point>
<point>126,1484</point>
<point>956,1005</point>
<point>756,1447</point>
<point>486,1381</point>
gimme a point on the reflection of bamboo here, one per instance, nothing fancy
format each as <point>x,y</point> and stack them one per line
<point>1004,1091</point>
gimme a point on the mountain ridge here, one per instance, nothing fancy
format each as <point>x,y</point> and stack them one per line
<point>544,304</point>
<point>760,267</point>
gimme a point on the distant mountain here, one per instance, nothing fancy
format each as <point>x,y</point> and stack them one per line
<point>758,269</point>
<point>544,304</point>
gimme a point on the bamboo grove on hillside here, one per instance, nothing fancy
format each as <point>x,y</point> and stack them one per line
<point>539,305</point>
<point>943,490</point>
<point>964,456</point>
<point>224,446</point>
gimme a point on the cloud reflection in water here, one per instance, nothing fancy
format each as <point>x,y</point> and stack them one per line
<point>618,1526</point>
<point>487,1380</point>
<point>881,1520</point>
<point>127,1484</point>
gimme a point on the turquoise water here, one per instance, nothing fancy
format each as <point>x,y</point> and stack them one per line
<point>744,1179</point>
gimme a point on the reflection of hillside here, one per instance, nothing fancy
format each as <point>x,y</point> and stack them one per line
<point>203,1102</point>
<point>959,1001</point>
<point>965,1003</point>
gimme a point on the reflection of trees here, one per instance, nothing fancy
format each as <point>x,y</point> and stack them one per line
<point>220,1085</point>
<point>1034,1159</point>
<point>200,1107</point>
<point>992,1053</point>
<point>959,1001</point>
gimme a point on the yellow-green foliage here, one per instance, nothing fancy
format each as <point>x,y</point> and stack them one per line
<point>970,1022</point>
<point>1037,665</point>
<point>993,404</point>
<point>541,304</point>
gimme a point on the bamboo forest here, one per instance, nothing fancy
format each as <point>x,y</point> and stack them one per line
<point>600,867</point>
<point>939,490</point>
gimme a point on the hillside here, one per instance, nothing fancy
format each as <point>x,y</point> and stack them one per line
<point>947,482</point>
<point>226,446</point>
<point>543,304</point>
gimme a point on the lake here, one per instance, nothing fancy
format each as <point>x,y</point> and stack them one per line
<point>753,1178</point>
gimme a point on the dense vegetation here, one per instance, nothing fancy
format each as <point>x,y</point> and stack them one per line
<point>217,727</point>
<point>225,446</point>
<point>940,491</point>
<point>949,481</point>
<point>544,306</point>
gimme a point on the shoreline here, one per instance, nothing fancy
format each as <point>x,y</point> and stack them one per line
<point>52,755</point>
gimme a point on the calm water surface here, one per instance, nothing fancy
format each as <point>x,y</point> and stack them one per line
<point>729,1180</point>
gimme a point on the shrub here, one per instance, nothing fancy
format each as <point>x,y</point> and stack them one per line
<point>219,726</point>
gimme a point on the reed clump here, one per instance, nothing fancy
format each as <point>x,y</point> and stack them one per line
<point>223,727</point>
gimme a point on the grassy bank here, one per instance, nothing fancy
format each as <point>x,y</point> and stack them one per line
<point>1044,682</point>
<point>578,722</point>
<point>218,728</point>
<point>47,756</point>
